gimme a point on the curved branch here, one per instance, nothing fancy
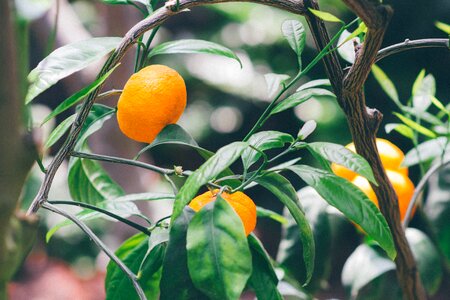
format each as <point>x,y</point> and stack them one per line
<point>157,18</point>
<point>410,45</point>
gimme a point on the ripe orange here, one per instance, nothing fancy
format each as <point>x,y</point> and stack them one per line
<point>403,187</point>
<point>391,158</point>
<point>241,203</point>
<point>152,98</point>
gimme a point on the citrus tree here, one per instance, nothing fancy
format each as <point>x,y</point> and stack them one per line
<point>205,248</point>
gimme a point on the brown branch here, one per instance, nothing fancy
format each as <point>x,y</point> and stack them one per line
<point>364,122</point>
<point>157,18</point>
<point>412,44</point>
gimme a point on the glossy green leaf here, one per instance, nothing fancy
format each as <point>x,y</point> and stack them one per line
<point>300,97</point>
<point>325,16</point>
<point>95,121</point>
<point>193,46</point>
<point>386,84</point>
<point>59,131</point>
<point>344,157</point>
<point>263,280</point>
<point>400,128</point>
<point>314,83</point>
<point>290,250</point>
<point>78,96</point>
<point>176,284</point>
<point>264,140</point>
<point>416,126</point>
<point>67,60</point>
<point>266,213</point>
<point>219,258</point>
<point>285,192</point>
<point>217,163</point>
<point>294,32</point>
<point>426,151</point>
<point>132,252</point>
<point>351,201</point>
<point>274,83</point>
<point>424,90</point>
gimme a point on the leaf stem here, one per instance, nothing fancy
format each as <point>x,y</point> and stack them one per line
<point>100,244</point>
<point>104,211</point>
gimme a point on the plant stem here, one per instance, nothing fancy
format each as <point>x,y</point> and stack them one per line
<point>101,245</point>
<point>104,211</point>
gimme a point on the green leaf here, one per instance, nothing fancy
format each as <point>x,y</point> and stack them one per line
<point>78,96</point>
<point>426,151</point>
<point>284,191</point>
<point>96,118</point>
<point>423,115</point>
<point>89,182</point>
<point>342,156</point>
<point>442,26</point>
<point>306,130</point>
<point>294,32</point>
<point>363,266</point>
<point>274,82</point>
<point>132,252</point>
<point>362,28</point>
<point>424,90</point>
<point>427,258</point>
<point>264,140</point>
<point>67,60</point>
<point>291,249</point>
<point>193,46</point>
<point>400,128</point>
<point>59,131</point>
<point>347,49</point>
<point>418,82</point>
<point>266,213</point>
<point>176,284</point>
<point>220,161</point>
<point>439,105</point>
<point>219,257</point>
<point>263,279</point>
<point>416,126</point>
<point>325,16</point>
<point>386,84</point>
<point>314,83</point>
<point>300,97</point>
<point>351,201</point>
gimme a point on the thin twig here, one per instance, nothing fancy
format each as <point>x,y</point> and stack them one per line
<point>101,245</point>
<point>410,45</point>
<point>104,211</point>
<point>109,93</point>
<point>419,189</point>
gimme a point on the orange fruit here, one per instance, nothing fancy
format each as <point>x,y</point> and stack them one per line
<point>152,98</point>
<point>240,202</point>
<point>403,187</point>
<point>391,158</point>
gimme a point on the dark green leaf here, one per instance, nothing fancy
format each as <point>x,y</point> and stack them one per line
<point>291,249</point>
<point>274,82</point>
<point>193,46</point>
<point>314,83</point>
<point>67,60</point>
<point>266,213</point>
<point>284,191</point>
<point>351,201</point>
<point>426,151</point>
<point>219,258</point>
<point>300,97</point>
<point>400,128</point>
<point>263,279</point>
<point>78,96</point>
<point>220,161</point>
<point>59,131</point>
<point>132,252</point>
<point>263,141</point>
<point>416,126</point>
<point>176,284</point>
<point>325,16</point>
<point>386,84</point>
<point>342,156</point>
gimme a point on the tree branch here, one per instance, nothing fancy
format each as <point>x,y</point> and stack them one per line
<point>157,18</point>
<point>411,45</point>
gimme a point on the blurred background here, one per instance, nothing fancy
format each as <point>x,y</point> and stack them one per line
<point>224,102</point>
